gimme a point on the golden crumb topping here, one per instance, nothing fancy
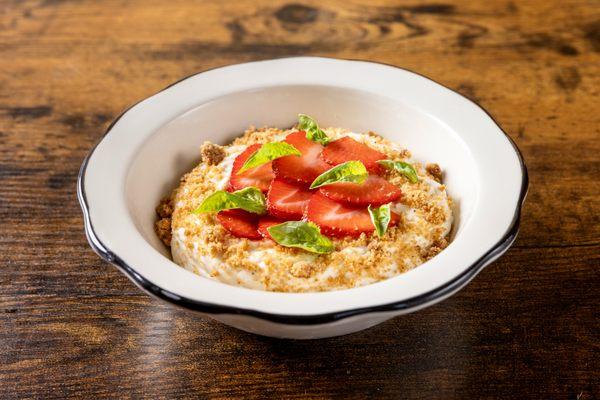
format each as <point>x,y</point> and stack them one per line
<point>163,230</point>
<point>211,153</point>
<point>435,171</point>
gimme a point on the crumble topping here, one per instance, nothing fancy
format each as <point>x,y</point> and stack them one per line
<point>435,171</point>
<point>164,210</point>
<point>200,244</point>
<point>163,230</point>
<point>211,153</point>
<point>436,248</point>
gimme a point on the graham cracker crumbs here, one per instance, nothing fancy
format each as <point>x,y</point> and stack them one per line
<point>261,135</point>
<point>164,209</point>
<point>163,230</point>
<point>301,269</point>
<point>435,248</point>
<point>200,244</point>
<point>422,201</point>
<point>435,171</point>
<point>212,154</point>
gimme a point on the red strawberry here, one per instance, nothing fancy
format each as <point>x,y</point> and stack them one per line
<point>303,169</point>
<point>259,177</point>
<point>240,223</point>
<point>337,219</point>
<point>375,191</point>
<point>348,149</point>
<point>286,200</point>
<point>266,222</point>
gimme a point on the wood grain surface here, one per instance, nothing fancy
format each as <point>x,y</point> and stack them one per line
<point>72,326</point>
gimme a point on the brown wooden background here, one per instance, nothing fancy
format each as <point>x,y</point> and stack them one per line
<point>71,325</point>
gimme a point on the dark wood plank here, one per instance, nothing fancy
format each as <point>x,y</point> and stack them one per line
<point>71,325</point>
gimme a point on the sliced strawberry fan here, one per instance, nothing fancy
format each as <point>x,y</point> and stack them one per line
<point>339,209</point>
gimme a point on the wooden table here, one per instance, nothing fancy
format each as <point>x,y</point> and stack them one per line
<point>71,325</point>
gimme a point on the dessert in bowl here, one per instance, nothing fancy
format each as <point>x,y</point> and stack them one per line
<point>145,152</point>
<point>306,209</point>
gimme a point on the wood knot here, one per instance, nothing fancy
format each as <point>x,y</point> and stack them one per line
<point>297,14</point>
<point>568,78</point>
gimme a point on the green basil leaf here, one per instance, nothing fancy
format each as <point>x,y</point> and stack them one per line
<point>253,196</point>
<point>350,171</point>
<point>403,167</point>
<point>313,132</point>
<point>301,234</point>
<point>380,216</point>
<point>250,199</point>
<point>269,152</point>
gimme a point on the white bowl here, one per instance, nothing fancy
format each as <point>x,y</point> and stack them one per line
<point>147,149</point>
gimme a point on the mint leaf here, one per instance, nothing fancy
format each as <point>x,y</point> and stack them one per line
<point>269,152</point>
<point>350,171</point>
<point>301,234</point>
<point>380,216</point>
<point>313,132</point>
<point>403,167</point>
<point>250,199</point>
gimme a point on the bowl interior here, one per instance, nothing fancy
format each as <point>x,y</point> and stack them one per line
<point>173,149</point>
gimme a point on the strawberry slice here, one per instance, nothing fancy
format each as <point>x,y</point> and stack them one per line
<point>259,177</point>
<point>287,200</point>
<point>337,219</point>
<point>240,223</point>
<point>348,149</point>
<point>303,169</point>
<point>266,222</point>
<point>375,191</point>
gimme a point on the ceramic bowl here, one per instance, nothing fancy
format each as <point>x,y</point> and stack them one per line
<point>147,149</point>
